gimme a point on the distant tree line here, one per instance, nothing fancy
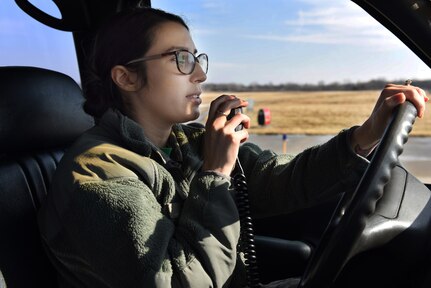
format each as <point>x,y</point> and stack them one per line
<point>321,86</point>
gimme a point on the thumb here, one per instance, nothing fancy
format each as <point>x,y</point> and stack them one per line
<point>381,117</point>
<point>392,101</point>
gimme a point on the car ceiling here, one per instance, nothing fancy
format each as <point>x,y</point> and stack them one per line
<point>409,20</point>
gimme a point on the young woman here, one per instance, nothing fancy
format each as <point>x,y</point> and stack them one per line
<point>141,200</point>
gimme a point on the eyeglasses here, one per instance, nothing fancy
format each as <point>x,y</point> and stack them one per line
<point>186,61</point>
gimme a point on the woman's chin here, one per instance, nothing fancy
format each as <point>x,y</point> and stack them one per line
<point>193,116</point>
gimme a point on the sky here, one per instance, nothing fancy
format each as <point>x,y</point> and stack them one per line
<point>274,41</point>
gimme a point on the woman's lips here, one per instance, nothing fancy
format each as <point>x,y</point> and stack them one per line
<point>195,98</point>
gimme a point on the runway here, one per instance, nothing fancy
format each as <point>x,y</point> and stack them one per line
<point>416,157</point>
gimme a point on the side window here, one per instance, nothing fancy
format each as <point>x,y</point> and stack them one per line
<point>315,67</point>
<point>26,42</point>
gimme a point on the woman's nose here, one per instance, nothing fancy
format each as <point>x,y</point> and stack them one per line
<point>198,75</point>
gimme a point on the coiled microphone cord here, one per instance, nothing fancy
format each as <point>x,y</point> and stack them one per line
<point>246,243</point>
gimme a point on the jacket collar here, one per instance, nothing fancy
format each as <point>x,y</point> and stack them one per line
<point>133,137</point>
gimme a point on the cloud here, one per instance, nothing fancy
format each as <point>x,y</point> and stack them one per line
<point>211,4</point>
<point>217,7</point>
<point>340,22</point>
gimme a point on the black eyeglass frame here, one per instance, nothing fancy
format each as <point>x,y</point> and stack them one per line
<point>176,53</point>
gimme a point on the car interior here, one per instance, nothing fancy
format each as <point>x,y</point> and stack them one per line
<point>41,114</point>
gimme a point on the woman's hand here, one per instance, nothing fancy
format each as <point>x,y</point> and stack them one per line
<point>366,137</point>
<point>221,140</point>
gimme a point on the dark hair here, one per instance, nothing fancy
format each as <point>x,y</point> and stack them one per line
<point>127,36</point>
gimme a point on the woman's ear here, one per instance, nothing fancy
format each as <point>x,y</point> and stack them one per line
<point>125,79</point>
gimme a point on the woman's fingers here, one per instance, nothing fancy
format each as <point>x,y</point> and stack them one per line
<point>221,140</point>
<point>392,97</point>
<point>236,120</point>
<point>224,103</point>
<point>417,97</point>
<point>220,109</point>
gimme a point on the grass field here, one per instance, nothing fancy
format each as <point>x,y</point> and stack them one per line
<point>313,112</point>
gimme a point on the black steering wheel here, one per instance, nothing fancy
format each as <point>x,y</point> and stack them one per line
<point>351,215</point>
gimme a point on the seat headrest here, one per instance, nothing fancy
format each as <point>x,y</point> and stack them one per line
<point>39,109</point>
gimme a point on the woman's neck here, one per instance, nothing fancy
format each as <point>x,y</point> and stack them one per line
<point>156,135</point>
<point>155,131</point>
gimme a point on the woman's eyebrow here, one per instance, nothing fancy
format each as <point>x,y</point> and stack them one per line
<point>174,48</point>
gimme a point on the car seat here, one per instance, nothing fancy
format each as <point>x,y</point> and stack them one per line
<point>40,115</point>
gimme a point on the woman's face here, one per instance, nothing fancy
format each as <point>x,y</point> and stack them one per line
<point>169,96</point>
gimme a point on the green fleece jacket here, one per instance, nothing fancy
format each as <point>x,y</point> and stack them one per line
<point>121,213</point>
